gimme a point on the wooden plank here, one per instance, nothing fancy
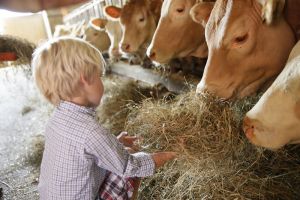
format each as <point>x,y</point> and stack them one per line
<point>174,83</point>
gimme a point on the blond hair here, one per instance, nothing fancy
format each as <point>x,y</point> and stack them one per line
<point>59,63</point>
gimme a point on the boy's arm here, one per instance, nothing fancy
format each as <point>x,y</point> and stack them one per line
<point>111,155</point>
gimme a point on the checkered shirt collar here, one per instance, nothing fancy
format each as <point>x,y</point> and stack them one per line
<point>77,108</point>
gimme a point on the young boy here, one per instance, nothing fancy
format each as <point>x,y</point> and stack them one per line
<point>79,153</point>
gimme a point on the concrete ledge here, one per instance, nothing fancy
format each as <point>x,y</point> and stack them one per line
<point>176,83</point>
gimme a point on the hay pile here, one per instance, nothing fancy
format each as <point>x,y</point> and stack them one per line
<point>21,47</point>
<point>216,161</point>
<point>120,95</point>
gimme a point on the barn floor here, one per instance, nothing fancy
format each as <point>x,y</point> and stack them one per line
<point>22,119</point>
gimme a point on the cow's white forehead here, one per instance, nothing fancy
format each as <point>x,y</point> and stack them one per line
<point>165,8</point>
<point>217,24</point>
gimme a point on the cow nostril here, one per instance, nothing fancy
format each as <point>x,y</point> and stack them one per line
<point>248,127</point>
<point>152,55</point>
<point>125,47</point>
<point>247,122</point>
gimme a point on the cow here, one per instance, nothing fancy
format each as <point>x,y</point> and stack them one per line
<point>177,35</point>
<point>245,54</point>
<point>114,32</point>
<point>138,20</point>
<point>98,38</point>
<point>275,120</point>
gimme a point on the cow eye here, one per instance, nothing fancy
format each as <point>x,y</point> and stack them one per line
<point>142,19</point>
<point>241,39</point>
<point>180,10</point>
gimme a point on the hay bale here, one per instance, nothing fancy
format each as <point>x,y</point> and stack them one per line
<point>21,47</point>
<point>216,160</point>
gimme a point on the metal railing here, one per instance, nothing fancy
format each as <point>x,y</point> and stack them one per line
<point>90,10</point>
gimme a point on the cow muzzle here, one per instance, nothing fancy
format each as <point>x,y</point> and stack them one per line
<point>125,47</point>
<point>248,128</point>
<point>151,55</point>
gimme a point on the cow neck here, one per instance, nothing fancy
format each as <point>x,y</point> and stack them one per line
<point>292,16</point>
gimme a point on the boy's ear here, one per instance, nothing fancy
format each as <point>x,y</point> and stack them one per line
<point>98,23</point>
<point>112,12</point>
<point>201,11</point>
<point>84,80</point>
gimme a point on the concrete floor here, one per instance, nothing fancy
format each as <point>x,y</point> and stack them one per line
<point>23,114</point>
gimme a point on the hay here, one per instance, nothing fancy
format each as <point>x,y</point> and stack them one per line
<point>35,151</point>
<point>120,96</point>
<point>21,47</point>
<point>216,160</point>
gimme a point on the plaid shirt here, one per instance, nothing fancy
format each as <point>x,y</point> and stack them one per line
<point>115,187</point>
<point>78,153</point>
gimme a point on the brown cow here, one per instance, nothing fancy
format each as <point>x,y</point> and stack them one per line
<point>113,29</point>
<point>138,20</point>
<point>245,53</point>
<point>177,35</point>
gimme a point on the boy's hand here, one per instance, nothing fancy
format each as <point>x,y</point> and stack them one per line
<point>161,158</point>
<point>128,141</point>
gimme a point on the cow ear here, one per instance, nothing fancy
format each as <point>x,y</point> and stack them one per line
<point>98,23</point>
<point>271,10</point>
<point>112,12</point>
<point>201,11</point>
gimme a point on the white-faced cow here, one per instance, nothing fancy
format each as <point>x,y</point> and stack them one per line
<point>275,120</point>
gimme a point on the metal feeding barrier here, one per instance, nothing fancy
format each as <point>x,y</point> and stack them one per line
<point>90,10</point>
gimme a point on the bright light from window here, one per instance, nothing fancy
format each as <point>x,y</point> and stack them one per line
<point>6,14</point>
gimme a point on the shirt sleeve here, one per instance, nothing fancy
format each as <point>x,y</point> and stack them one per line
<point>111,155</point>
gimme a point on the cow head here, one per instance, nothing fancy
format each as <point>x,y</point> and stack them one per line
<point>138,20</point>
<point>113,29</point>
<point>275,120</point>
<point>245,54</point>
<point>177,35</point>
